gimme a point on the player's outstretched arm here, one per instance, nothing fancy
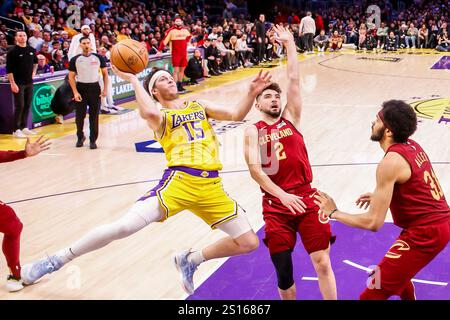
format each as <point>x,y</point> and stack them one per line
<point>238,113</point>
<point>253,159</point>
<point>388,172</point>
<point>148,109</point>
<point>293,109</point>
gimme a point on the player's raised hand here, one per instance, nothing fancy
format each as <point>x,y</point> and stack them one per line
<point>34,148</point>
<point>363,201</point>
<point>261,81</point>
<point>325,202</point>
<point>282,34</point>
<point>293,203</point>
<point>123,75</point>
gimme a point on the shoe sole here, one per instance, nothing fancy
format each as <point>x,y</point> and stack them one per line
<point>183,285</point>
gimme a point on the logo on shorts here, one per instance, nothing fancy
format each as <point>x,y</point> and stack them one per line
<point>205,174</point>
<point>323,218</point>
<point>399,245</point>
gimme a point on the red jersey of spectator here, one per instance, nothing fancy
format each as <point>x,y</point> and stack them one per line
<point>420,200</point>
<point>283,154</point>
<point>319,23</point>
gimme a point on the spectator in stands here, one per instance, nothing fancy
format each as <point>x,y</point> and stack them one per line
<point>4,47</point>
<point>321,41</point>
<point>382,34</point>
<point>243,51</point>
<point>153,46</point>
<point>226,55</point>
<point>423,37</point>
<point>336,41</point>
<point>391,42</point>
<point>362,34</point>
<point>433,33</point>
<point>57,62</point>
<point>443,42</point>
<point>75,47</point>
<point>43,66</point>
<point>194,69</point>
<point>213,58</point>
<point>48,40</point>
<point>411,36</point>
<point>45,51</point>
<point>352,34</point>
<point>371,41</point>
<point>402,34</point>
<point>36,40</point>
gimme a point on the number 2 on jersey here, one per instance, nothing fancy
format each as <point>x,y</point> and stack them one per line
<point>279,151</point>
<point>431,179</point>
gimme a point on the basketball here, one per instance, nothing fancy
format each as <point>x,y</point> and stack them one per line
<point>129,56</point>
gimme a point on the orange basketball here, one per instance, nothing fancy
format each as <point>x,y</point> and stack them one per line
<point>129,56</point>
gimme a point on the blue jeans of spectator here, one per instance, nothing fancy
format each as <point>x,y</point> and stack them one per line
<point>410,39</point>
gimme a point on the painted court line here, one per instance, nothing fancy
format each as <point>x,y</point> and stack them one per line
<point>358,266</point>
<point>310,278</point>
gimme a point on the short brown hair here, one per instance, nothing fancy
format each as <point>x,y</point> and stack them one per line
<point>273,86</point>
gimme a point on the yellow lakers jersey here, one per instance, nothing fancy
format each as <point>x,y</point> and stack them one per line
<point>188,139</point>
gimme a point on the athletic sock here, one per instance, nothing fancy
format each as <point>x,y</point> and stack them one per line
<point>66,255</point>
<point>196,257</point>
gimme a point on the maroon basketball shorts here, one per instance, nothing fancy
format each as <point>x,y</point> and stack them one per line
<point>411,252</point>
<point>282,225</point>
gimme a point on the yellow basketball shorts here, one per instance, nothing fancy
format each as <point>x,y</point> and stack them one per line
<point>199,191</point>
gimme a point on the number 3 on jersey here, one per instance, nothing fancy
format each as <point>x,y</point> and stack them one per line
<point>431,179</point>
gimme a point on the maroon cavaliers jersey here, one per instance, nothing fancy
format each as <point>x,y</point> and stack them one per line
<point>283,154</point>
<point>420,200</point>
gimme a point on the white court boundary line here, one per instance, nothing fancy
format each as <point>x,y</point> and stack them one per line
<point>358,266</point>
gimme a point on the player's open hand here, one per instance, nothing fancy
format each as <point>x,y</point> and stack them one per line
<point>293,203</point>
<point>282,34</point>
<point>325,202</point>
<point>363,201</point>
<point>34,148</point>
<point>123,75</point>
<point>261,82</point>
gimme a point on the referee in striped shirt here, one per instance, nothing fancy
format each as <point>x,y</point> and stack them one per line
<point>86,89</point>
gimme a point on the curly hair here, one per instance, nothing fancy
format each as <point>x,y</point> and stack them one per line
<point>400,118</point>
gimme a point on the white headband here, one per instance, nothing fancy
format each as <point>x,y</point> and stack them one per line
<point>155,77</point>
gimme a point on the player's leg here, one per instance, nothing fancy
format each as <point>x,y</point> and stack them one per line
<point>140,215</point>
<point>410,253</point>
<point>322,265</point>
<point>11,227</point>
<point>241,239</point>
<point>282,262</point>
<point>316,237</point>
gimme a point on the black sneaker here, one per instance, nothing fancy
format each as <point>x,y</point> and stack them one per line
<point>80,142</point>
<point>92,145</point>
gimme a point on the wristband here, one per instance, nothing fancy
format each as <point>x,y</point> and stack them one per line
<point>333,211</point>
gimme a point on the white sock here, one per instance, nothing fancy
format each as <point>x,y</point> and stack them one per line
<point>196,257</point>
<point>66,255</point>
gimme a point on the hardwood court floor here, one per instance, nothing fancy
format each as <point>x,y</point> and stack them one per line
<point>78,189</point>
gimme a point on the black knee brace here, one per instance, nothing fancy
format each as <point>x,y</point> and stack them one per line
<point>283,266</point>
